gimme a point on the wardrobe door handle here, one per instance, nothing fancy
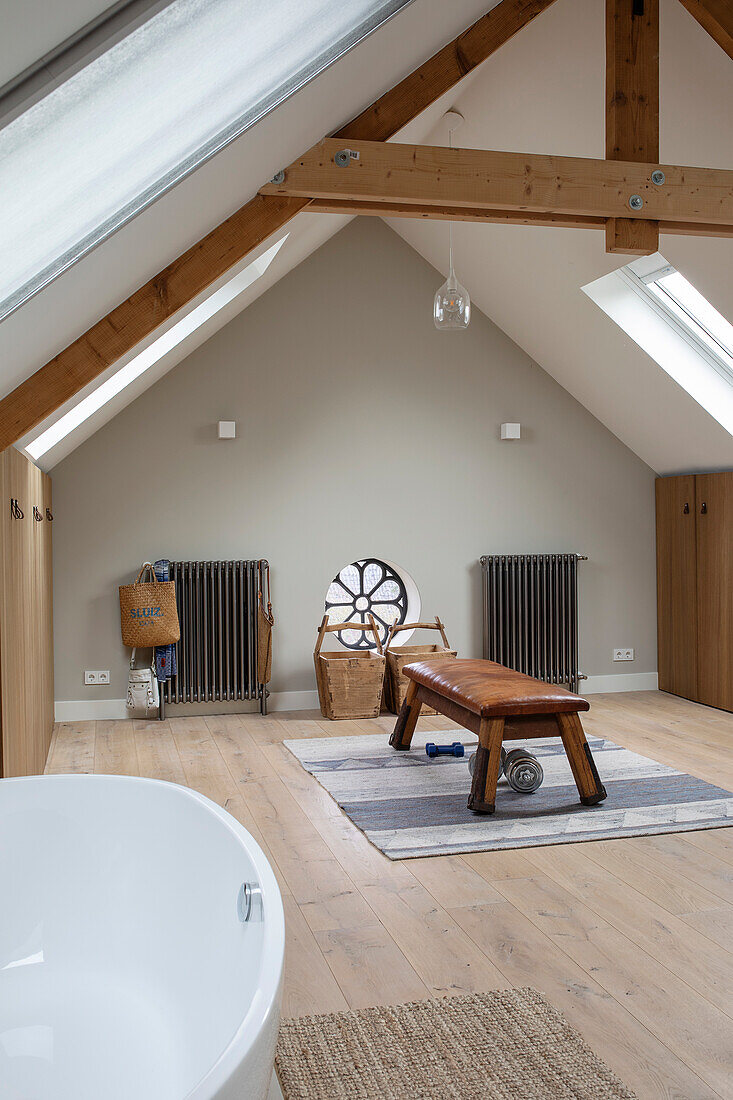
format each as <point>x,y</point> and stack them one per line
<point>703,509</point>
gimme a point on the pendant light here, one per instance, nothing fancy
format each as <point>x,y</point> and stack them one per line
<point>452,302</point>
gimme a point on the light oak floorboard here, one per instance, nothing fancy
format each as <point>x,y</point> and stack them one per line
<point>115,751</point>
<point>694,1028</point>
<point>630,938</point>
<point>310,987</point>
<point>716,842</point>
<point>660,934</point>
<point>72,748</point>
<point>716,924</point>
<point>635,865</point>
<point>157,753</point>
<point>528,957</point>
<point>446,959</point>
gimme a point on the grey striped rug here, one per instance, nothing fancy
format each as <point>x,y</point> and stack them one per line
<point>409,805</point>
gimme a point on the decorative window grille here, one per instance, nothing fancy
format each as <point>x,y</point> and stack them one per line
<point>369,586</point>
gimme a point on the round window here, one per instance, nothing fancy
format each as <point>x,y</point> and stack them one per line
<point>365,587</point>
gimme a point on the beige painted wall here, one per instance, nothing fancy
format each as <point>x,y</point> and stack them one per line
<point>360,431</point>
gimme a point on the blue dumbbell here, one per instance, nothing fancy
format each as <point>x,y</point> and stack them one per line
<point>456,749</point>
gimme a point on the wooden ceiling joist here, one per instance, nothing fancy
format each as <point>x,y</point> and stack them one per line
<point>430,175</point>
<point>500,217</point>
<point>453,214</point>
<point>716,17</point>
<point>115,335</point>
<point>632,107</point>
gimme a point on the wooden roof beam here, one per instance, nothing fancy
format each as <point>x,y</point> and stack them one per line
<point>632,107</point>
<point>425,175</point>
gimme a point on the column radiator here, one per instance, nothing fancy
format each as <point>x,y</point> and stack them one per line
<point>530,614</point>
<point>217,651</point>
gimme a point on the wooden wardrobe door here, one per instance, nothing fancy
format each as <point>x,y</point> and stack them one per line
<point>45,598</point>
<point>676,585</point>
<point>26,622</point>
<point>16,667</point>
<point>714,494</point>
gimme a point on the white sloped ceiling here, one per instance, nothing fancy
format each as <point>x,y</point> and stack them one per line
<point>544,92</point>
<point>96,284</point>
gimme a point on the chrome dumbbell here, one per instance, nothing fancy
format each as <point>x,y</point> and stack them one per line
<point>523,771</point>
<point>472,762</point>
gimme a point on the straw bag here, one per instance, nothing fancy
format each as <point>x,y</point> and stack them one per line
<point>148,612</point>
<point>265,622</point>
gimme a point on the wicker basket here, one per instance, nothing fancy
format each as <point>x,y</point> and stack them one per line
<point>395,684</point>
<point>349,683</point>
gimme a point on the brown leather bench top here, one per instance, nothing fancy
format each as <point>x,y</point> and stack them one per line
<point>491,690</point>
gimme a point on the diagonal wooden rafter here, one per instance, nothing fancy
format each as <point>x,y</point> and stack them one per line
<point>716,17</point>
<point>530,182</point>
<point>632,107</point>
<point>116,334</point>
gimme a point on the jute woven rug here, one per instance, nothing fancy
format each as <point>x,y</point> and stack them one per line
<point>506,1045</point>
<point>409,805</point>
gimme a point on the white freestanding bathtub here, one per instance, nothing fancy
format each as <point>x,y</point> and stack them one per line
<point>127,968</point>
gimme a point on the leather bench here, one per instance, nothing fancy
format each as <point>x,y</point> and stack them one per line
<point>498,704</point>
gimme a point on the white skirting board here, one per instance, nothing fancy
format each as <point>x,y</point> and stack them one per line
<point>90,710</point>
<point>631,681</point>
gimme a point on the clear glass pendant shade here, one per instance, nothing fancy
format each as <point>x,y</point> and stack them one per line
<point>452,305</point>
<point>452,302</point>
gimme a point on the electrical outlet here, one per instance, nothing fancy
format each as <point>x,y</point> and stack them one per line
<point>98,677</point>
<point>623,654</point>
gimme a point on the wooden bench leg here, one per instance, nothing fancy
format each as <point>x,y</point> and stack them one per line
<point>585,773</point>
<point>482,798</point>
<point>407,719</point>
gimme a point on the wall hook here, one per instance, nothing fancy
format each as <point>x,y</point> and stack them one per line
<point>49,515</point>
<point>686,509</point>
<point>38,516</point>
<point>703,509</point>
<point>15,509</point>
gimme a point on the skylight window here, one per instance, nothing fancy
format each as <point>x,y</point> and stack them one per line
<point>116,135</point>
<point>694,313</point>
<point>676,325</point>
<point>152,354</point>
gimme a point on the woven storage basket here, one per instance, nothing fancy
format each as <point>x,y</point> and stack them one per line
<point>349,683</point>
<point>395,684</point>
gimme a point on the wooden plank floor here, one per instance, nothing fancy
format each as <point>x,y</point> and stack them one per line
<point>630,938</point>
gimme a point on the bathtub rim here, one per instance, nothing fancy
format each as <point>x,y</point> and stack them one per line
<point>268,993</point>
